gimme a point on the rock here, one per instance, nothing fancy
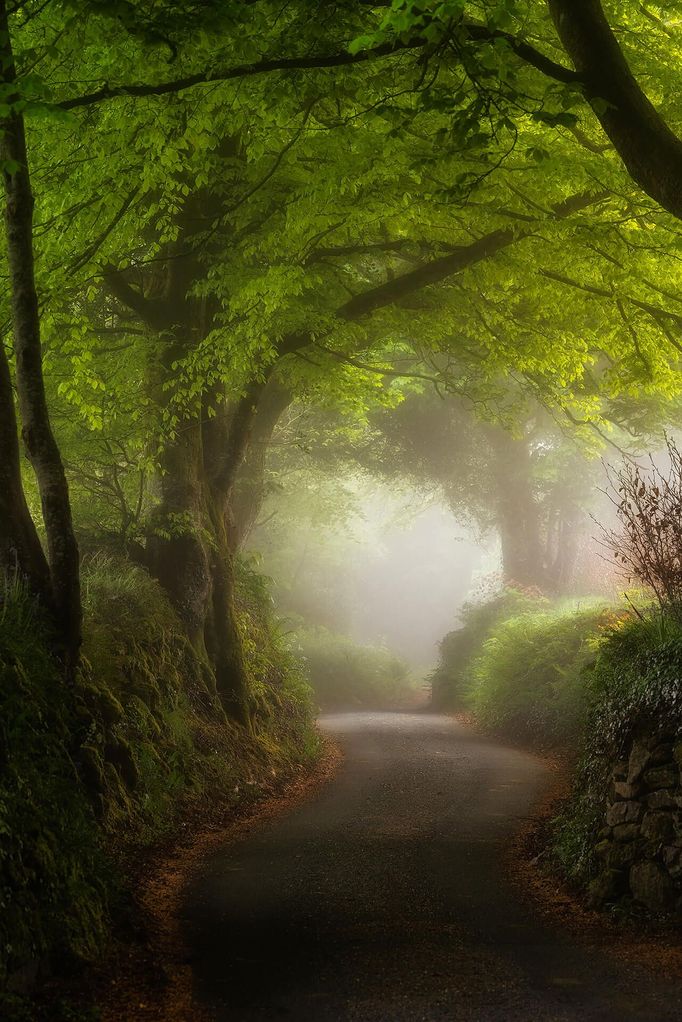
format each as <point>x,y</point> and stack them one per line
<point>657,826</point>
<point>623,812</point>
<point>602,849</point>
<point>640,757</point>
<point>662,753</point>
<point>620,770</point>
<point>677,754</point>
<point>660,800</point>
<point>672,861</point>
<point>662,777</point>
<point>623,790</point>
<point>608,886</point>
<point>651,886</point>
<point>605,833</point>
<point>623,832</point>
<point>623,854</point>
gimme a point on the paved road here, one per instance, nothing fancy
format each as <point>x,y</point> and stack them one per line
<point>384,899</point>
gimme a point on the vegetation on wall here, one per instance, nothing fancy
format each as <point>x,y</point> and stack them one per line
<point>601,685</point>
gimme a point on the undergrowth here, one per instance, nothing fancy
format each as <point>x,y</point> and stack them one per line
<point>451,680</point>
<point>527,680</point>
<point>92,773</point>
<point>634,686</point>
<point>344,674</point>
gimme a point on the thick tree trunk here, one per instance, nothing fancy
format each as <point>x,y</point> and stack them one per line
<point>21,554</point>
<point>518,516</point>
<point>37,432</point>
<point>649,149</point>
<point>222,631</point>
<point>177,539</point>
<point>226,441</point>
<point>249,490</point>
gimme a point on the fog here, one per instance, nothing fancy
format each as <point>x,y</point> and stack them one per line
<point>410,586</point>
<point>392,571</point>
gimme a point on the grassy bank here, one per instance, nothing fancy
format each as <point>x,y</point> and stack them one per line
<point>577,677</point>
<point>92,773</point>
<point>517,664</point>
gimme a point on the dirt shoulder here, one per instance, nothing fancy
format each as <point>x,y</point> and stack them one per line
<point>654,946</point>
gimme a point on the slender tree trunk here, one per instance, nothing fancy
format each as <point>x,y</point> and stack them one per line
<point>21,553</point>
<point>249,490</point>
<point>226,441</point>
<point>39,439</point>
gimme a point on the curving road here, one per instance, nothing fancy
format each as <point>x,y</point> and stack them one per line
<point>384,898</point>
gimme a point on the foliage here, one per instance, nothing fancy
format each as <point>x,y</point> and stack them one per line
<point>527,679</point>
<point>451,680</point>
<point>345,675</point>
<point>633,687</point>
<point>54,884</point>
<point>647,546</point>
<point>106,768</point>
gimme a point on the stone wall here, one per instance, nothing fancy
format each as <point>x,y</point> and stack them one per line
<point>639,849</point>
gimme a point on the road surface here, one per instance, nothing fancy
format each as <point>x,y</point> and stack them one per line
<point>384,898</point>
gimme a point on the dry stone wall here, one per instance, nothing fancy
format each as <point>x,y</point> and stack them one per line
<point>639,848</point>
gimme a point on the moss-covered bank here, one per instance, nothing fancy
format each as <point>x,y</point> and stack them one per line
<point>90,774</point>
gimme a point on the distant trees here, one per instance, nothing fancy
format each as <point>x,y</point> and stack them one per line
<point>58,587</point>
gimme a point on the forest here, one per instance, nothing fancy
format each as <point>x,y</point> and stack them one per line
<point>340,510</point>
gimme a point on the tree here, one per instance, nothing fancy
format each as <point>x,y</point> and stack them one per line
<point>243,228</point>
<point>62,596</point>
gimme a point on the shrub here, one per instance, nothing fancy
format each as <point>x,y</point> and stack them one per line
<point>451,679</point>
<point>647,545</point>
<point>90,773</point>
<point>634,686</point>
<point>344,674</point>
<point>53,887</point>
<point>527,680</point>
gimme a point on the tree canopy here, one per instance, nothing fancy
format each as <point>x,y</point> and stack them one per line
<point>240,209</point>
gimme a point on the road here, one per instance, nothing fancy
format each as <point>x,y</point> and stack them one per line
<point>385,899</point>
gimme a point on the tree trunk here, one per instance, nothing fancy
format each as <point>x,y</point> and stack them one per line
<point>177,553</point>
<point>649,149</point>
<point>41,445</point>
<point>226,441</point>
<point>249,490</point>
<point>518,516</point>
<point>222,632</point>
<point>21,554</point>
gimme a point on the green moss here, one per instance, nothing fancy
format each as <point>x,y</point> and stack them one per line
<point>633,686</point>
<point>93,772</point>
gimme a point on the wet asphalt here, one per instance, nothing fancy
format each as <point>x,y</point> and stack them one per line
<point>385,898</point>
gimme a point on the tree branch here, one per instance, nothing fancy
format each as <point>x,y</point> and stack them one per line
<point>648,147</point>
<point>343,59</point>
